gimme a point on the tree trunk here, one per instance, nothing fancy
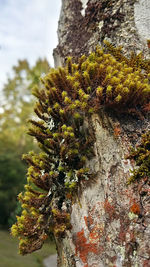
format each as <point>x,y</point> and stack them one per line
<point>106,231</point>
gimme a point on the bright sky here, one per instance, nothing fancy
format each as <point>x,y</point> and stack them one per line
<point>28,29</point>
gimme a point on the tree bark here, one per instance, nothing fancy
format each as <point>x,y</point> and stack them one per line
<point>104,230</point>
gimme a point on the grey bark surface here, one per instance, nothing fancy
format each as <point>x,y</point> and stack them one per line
<point>104,230</point>
<point>84,24</point>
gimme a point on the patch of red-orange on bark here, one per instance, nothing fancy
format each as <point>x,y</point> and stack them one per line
<point>135,208</point>
<point>83,247</point>
<point>117,131</point>
<point>69,196</point>
<point>109,208</point>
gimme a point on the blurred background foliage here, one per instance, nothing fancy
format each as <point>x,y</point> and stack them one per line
<point>9,256</point>
<point>16,108</point>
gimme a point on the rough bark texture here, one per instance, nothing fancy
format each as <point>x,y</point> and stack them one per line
<point>83,24</point>
<point>104,230</point>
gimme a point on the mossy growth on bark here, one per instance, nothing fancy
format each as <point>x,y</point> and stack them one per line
<point>65,104</point>
<point>141,156</point>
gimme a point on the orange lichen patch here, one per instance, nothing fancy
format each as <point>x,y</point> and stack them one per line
<point>117,131</point>
<point>69,196</point>
<point>131,195</point>
<point>135,208</point>
<point>83,247</point>
<point>109,209</point>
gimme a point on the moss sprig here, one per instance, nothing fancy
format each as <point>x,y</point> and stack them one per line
<point>141,156</point>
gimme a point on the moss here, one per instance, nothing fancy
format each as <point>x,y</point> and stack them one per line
<point>141,156</point>
<point>70,95</point>
<point>134,62</point>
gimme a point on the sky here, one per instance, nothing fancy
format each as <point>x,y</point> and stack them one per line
<point>28,30</point>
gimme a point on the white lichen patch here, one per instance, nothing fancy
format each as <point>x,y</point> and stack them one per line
<point>120,256</point>
<point>142,18</point>
<point>100,25</point>
<point>126,165</point>
<point>84,5</point>
<point>132,215</point>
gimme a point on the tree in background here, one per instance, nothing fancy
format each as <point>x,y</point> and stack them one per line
<point>17,108</point>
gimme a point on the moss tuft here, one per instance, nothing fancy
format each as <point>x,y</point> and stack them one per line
<point>141,156</point>
<point>69,97</point>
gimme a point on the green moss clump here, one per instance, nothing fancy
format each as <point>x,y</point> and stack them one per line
<point>70,95</point>
<point>141,156</point>
<point>137,62</point>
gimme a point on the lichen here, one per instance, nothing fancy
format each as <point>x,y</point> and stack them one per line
<point>69,97</point>
<point>132,215</point>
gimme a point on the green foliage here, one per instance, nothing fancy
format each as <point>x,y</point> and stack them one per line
<point>10,258</point>
<point>141,156</point>
<point>65,103</point>
<point>12,176</point>
<point>17,106</point>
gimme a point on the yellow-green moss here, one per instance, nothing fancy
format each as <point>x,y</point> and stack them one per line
<point>141,156</point>
<point>68,97</point>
